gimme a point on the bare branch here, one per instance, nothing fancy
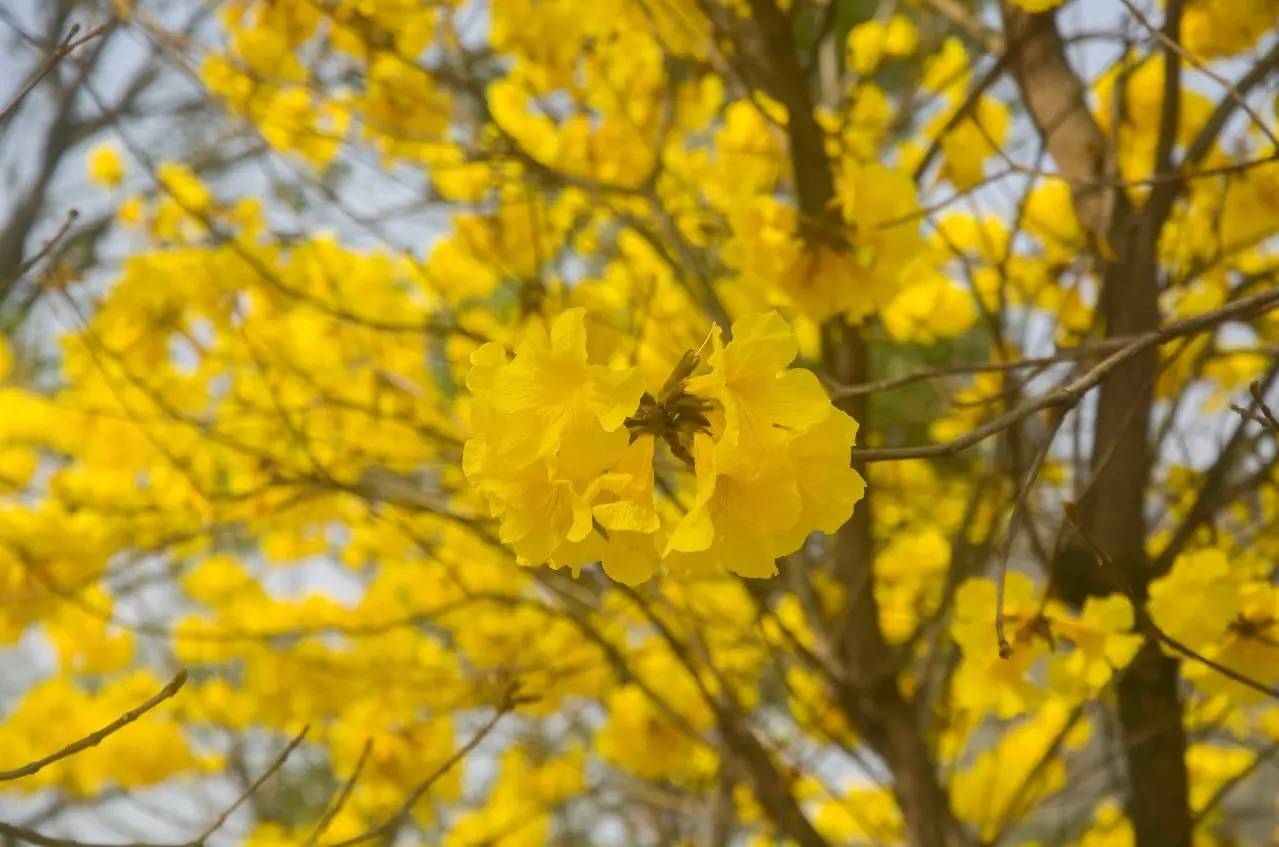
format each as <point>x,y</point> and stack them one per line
<point>963,18</point>
<point>331,812</point>
<point>70,43</point>
<point>1203,142</point>
<point>401,814</point>
<point>1071,392</point>
<point>30,836</point>
<point>275,765</point>
<point>45,250</point>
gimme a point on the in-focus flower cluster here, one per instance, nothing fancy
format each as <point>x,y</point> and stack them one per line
<point>748,454</point>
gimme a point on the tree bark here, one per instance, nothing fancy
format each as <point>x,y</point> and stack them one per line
<point>1126,238</point>
<point>870,695</point>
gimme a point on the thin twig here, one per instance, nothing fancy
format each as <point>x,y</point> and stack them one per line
<point>14,832</point>
<point>30,836</point>
<point>963,18</point>
<point>965,111</point>
<point>1254,388</point>
<point>406,808</point>
<point>59,53</point>
<point>1019,507</point>
<point>45,249</point>
<point>331,812</point>
<point>1174,46</point>
<point>275,765</point>
<point>93,739</point>
<point>1068,354</point>
<point>1204,141</point>
<point>1070,393</point>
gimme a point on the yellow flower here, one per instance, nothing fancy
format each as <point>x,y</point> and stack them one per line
<point>870,41</point>
<point>1248,646</point>
<point>741,510</point>
<point>1197,599</point>
<point>1110,827</point>
<point>901,37</point>
<point>985,681</point>
<point>1021,768</point>
<point>864,816</point>
<point>1212,28</point>
<point>966,146</point>
<point>185,187</point>
<point>909,575</point>
<point>828,486</point>
<point>56,711</point>
<point>548,427</point>
<point>130,211</point>
<point>1050,216</point>
<point>563,452</point>
<point>641,738</point>
<point>775,467</point>
<point>290,121</point>
<point>763,401</point>
<point>1035,6</point>
<point>628,513</point>
<point>929,309</point>
<point>517,811</point>
<point>1103,642</point>
<point>947,69</point>
<point>105,166</point>
<point>865,46</point>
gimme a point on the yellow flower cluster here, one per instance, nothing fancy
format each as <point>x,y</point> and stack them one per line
<point>1226,609</point>
<point>1212,28</point>
<point>275,419</point>
<point>1082,651</point>
<point>751,454</point>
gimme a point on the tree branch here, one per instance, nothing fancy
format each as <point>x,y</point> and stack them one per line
<point>1072,392</point>
<point>93,739</point>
